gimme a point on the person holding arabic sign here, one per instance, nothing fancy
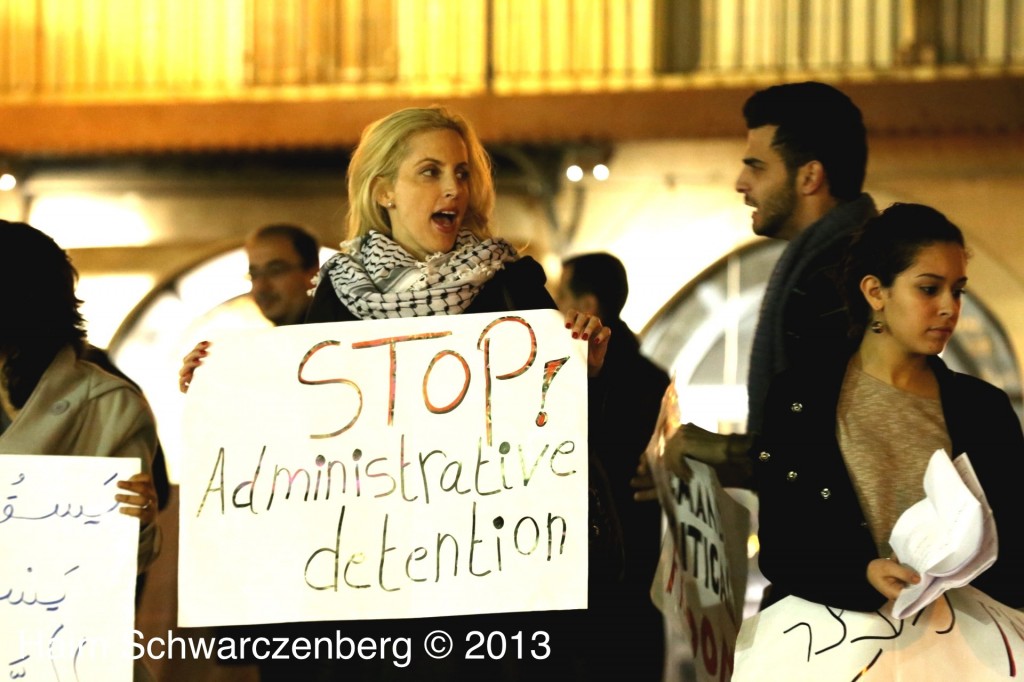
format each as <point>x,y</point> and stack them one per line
<point>51,401</point>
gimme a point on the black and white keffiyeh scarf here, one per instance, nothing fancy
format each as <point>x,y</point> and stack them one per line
<point>375,278</point>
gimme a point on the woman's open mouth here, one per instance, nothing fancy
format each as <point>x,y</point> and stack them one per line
<point>446,220</point>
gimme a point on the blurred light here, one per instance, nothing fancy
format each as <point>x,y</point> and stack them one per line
<point>7,182</point>
<point>600,172</point>
<point>552,264</point>
<point>574,173</point>
<point>107,300</point>
<point>753,546</point>
<point>86,221</point>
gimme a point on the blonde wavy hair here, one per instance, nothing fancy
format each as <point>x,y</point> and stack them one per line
<point>383,146</point>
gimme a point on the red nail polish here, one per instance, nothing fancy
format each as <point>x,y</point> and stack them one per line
<point>575,335</point>
<point>586,336</point>
<point>568,326</point>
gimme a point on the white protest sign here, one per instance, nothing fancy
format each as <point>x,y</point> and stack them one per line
<point>67,569</point>
<point>700,583</point>
<point>702,573</point>
<point>386,469</point>
<point>964,635</point>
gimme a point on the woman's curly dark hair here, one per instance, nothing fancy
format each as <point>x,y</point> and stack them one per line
<point>40,311</point>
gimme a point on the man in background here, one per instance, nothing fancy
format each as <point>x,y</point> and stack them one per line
<point>283,259</point>
<point>596,283</point>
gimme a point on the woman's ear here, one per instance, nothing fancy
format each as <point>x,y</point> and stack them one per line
<point>871,287</point>
<point>383,192</point>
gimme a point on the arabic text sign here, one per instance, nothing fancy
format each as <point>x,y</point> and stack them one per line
<point>701,578</point>
<point>392,468</point>
<point>67,568</point>
<point>964,635</point>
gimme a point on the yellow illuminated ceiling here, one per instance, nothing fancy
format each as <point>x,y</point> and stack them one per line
<point>118,76</point>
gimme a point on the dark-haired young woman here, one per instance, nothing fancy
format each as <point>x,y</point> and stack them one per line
<point>845,446</point>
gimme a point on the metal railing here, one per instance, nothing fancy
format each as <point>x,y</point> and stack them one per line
<point>91,49</point>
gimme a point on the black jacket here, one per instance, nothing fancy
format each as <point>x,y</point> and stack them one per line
<point>815,541</point>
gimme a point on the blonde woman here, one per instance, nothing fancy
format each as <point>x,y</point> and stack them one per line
<point>420,202</point>
<point>420,197</point>
<point>419,242</point>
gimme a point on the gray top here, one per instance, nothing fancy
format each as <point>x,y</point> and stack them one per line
<point>887,436</point>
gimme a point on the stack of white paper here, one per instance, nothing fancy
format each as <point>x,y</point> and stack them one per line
<point>949,537</point>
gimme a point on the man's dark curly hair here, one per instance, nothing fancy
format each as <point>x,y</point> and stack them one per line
<point>40,311</point>
<point>815,122</point>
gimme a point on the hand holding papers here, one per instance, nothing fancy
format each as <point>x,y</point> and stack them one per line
<point>949,537</point>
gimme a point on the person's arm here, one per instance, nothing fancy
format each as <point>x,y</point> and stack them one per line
<point>809,551</point>
<point>190,362</point>
<point>812,545</point>
<point>801,564</point>
<point>727,454</point>
<point>124,427</point>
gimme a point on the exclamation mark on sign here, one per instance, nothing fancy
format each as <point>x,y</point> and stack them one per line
<point>551,368</point>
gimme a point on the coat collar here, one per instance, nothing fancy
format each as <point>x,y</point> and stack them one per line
<point>65,386</point>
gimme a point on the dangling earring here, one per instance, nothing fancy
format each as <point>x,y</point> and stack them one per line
<point>877,326</point>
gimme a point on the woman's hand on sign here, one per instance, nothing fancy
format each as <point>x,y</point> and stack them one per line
<point>189,364</point>
<point>589,328</point>
<point>889,577</point>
